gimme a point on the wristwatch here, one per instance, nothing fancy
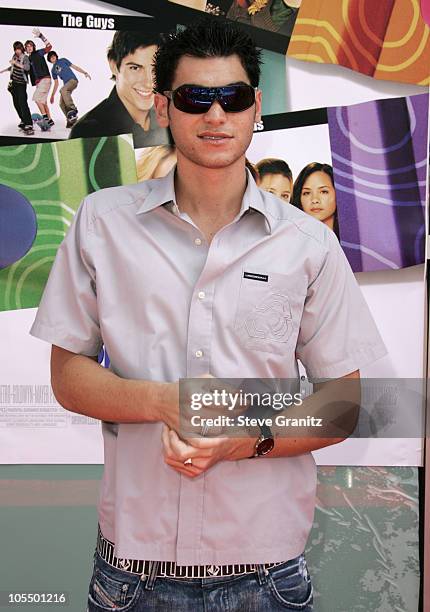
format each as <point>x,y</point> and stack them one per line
<point>265,442</point>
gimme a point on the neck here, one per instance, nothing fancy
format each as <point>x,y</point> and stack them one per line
<point>139,116</point>
<point>212,197</point>
<point>330,222</point>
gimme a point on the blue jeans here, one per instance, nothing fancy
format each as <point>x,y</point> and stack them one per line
<point>285,587</point>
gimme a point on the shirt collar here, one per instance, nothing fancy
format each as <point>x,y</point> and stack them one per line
<point>162,191</point>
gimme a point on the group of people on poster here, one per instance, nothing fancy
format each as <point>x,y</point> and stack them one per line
<point>29,64</point>
<point>312,191</point>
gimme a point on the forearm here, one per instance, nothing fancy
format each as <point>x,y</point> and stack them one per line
<point>78,69</point>
<point>326,417</point>
<point>81,385</point>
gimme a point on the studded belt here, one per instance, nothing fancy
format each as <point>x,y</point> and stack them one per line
<point>169,569</point>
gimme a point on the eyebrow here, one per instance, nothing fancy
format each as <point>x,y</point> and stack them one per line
<point>212,86</point>
<point>133,64</point>
<point>319,187</point>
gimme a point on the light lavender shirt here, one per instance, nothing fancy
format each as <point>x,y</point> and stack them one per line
<point>137,275</point>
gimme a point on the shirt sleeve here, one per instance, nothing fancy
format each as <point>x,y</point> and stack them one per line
<point>337,332</point>
<point>54,74</point>
<point>68,314</point>
<point>26,63</point>
<point>67,62</point>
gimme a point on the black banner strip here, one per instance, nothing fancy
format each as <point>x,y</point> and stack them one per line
<point>84,21</point>
<point>282,121</point>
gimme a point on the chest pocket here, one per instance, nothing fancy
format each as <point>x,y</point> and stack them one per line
<point>269,311</point>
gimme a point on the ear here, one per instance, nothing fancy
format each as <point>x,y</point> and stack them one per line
<point>113,67</point>
<point>258,105</point>
<point>161,105</point>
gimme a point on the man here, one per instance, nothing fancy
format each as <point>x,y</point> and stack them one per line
<point>167,273</point>
<point>19,69</point>
<point>39,74</point>
<point>62,67</point>
<point>129,107</point>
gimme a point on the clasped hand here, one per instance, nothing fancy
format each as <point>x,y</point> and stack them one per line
<point>203,452</point>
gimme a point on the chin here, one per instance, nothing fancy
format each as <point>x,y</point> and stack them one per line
<point>215,163</point>
<point>143,105</point>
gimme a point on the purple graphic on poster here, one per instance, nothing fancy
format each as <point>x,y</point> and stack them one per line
<point>379,151</point>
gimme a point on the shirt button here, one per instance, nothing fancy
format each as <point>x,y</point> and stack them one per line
<point>198,241</point>
<point>199,354</point>
<point>201,295</point>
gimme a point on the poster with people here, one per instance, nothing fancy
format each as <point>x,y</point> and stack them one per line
<point>298,158</point>
<point>269,22</point>
<point>52,88</point>
<point>348,167</point>
<point>272,15</point>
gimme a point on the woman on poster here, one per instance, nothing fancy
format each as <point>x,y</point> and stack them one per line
<point>315,194</point>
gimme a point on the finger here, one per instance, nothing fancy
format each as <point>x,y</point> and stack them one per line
<point>181,449</point>
<point>165,439</point>
<point>187,470</point>
<point>206,444</point>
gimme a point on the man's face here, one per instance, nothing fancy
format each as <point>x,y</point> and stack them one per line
<point>215,139</point>
<point>29,47</point>
<point>278,184</point>
<point>18,52</point>
<point>52,59</point>
<point>134,79</point>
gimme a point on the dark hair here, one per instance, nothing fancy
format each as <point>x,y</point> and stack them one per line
<point>124,43</point>
<point>206,37</point>
<point>301,179</point>
<point>50,54</point>
<point>30,42</point>
<point>18,45</point>
<point>252,169</point>
<point>272,165</point>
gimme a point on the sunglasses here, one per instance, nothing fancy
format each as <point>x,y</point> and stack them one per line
<point>196,100</point>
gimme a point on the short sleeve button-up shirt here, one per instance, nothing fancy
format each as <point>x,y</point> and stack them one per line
<point>136,274</point>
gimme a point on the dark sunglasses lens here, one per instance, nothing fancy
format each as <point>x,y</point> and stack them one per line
<point>237,98</point>
<point>193,100</point>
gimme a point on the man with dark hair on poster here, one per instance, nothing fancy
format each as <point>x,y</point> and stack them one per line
<point>63,68</point>
<point>130,105</point>
<point>39,74</point>
<point>171,275</point>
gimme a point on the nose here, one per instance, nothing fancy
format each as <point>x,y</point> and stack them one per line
<point>315,198</point>
<point>147,76</point>
<point>215,115</point>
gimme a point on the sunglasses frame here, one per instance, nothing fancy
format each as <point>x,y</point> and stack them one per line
<point>170,94</point>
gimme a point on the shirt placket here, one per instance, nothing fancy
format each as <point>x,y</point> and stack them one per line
<point>191,495</point>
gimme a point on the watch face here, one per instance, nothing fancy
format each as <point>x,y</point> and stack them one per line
<point>265,446</point>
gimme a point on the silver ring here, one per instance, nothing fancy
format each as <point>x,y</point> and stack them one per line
<point>188,461</point>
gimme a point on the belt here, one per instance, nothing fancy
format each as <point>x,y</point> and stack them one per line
<point>169,569</point>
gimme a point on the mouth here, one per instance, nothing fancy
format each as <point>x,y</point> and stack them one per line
<point>145,94</point>
<point>215,137</point>
<point>317,210</point>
